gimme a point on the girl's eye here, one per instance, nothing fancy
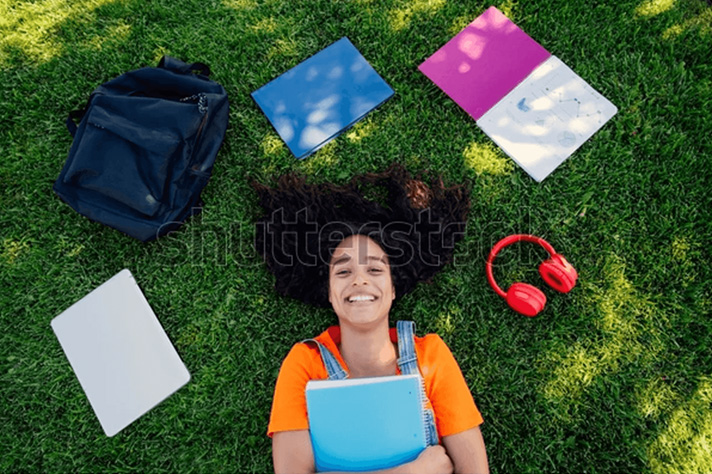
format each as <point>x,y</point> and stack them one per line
<point>376,270</point>
<point>342,272</point>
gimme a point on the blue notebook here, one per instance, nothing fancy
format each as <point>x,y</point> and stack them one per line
<point>366,424</point>
<point>321,97</point>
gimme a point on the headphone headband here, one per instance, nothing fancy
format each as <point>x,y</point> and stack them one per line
<point>512,239</point>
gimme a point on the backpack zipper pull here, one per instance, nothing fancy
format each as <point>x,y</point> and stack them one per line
<point>201,101</point>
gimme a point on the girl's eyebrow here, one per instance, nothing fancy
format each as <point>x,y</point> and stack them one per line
<point>341,260</point>
<point>347,258</point>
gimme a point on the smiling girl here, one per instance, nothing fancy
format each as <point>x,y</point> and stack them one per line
<point>333,246</point>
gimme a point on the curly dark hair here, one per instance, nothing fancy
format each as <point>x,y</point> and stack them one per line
<point>416,225</point>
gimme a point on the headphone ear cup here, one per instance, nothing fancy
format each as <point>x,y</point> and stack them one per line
<point>558,273</point>
<point>525,299</point>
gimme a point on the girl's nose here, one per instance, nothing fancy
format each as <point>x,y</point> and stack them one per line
<point>360,279</point>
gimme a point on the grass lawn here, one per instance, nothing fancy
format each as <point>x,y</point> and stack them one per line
<point>615,377</point>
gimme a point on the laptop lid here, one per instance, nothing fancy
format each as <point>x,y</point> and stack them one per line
<point>119,351</point>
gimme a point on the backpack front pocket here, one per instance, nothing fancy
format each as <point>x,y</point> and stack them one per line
<point>130,148</point>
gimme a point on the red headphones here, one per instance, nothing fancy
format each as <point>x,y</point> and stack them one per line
<point>523,297</point>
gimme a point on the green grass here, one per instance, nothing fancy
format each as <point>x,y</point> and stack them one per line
<point>614,377</point>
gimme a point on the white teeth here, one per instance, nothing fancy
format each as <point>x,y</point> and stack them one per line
<point>361,298</point>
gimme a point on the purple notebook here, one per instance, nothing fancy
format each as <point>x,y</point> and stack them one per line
<point>531,104</point>
<point>484,62</point>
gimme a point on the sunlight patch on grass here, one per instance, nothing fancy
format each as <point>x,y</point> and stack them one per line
<point>265,25</point>
<point>400,18</point>
<point>30,27</point>
<point>360,131</point>
<point>684,254</point>
<point>326,157</point>
<point>240,4</point>
<point>685,445</point>
<point>651,8</point>
<point>617,319</point>
<point>507,7</point>
<point>12,250</point>
<point>283,47</point>
<point>580,366</point>
<point>625,312</point>
<point>486,158</point>
<point>459,23</point>
<point>118,32</point>
<point>159,52</point>
<point>655,399</point>
<point>680,248</point>
<point>76,250</point>
<point>447,321</point>
<point>625,315</point>
<point>68,247</point>
<point>702,23</point>
<point>574,372</point>
<point>271,144</point>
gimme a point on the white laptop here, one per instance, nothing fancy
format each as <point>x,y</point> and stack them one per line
<point>122,356</point>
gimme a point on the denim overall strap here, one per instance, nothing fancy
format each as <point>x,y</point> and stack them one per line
<point>333,367</point>
<point>408,364</point>
<point>407,359</point>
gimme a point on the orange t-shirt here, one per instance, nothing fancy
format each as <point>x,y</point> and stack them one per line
<point>455,410</point>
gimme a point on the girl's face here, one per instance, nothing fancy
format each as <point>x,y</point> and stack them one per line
<point>360,287</point>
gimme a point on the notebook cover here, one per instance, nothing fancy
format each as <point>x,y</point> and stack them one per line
<point>547,117</point>
<point>365,424</point>
<point>484,62</point>
<point>119,352</point>
<point>321,97</point>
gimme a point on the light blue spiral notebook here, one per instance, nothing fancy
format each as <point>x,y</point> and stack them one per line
<point>321,97</point>
<point>366,424</point>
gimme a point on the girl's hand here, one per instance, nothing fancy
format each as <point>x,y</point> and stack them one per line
<point>434,460</point>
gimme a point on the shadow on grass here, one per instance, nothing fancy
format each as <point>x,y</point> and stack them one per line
<point>60,255</point>
<point>632,338</point>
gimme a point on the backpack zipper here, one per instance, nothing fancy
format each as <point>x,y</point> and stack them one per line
<point>202,108</point>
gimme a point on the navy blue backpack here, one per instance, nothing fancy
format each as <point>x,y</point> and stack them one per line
<point>144,148</point>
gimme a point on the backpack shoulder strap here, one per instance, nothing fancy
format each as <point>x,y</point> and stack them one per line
<point>176,65</point>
